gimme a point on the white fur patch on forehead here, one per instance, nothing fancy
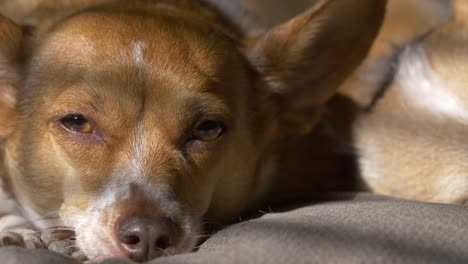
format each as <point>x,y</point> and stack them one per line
<point>138,153</point>
<point>138,48</point>
<point>420,86</point>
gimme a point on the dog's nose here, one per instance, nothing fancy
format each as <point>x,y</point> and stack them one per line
<point>144,239</point>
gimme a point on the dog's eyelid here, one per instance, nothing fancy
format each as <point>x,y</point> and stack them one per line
<point>89,129</point>
<point>77,123</point>
<point>208,129</point>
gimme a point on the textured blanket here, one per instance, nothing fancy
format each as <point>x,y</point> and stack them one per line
<point>353,229</point>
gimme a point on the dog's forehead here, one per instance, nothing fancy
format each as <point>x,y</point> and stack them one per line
<point>156,44</point>
<point>160,66</point>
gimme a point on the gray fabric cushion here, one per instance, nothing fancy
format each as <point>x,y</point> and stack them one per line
<point>12,255</point>
<point>361,229</point>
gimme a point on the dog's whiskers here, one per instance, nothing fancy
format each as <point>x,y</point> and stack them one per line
<point>166,254</point>
<point>203,236</point>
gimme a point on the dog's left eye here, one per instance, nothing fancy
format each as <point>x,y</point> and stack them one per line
<point>77,123</point>
<point>208,130</point>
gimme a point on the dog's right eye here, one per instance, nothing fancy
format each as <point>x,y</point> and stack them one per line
<point>208,130</point>
<point>77,123</point>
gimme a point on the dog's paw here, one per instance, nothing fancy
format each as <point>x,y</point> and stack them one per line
<point>21,238</point>
<point>60,240</point>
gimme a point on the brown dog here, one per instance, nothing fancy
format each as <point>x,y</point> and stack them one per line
<point>411,105</point>
<point>402,112</point>
<point>132,121</point>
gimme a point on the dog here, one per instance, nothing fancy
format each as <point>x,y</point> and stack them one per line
<point>133,122</point>
<point>410,135</point>
<point>403,111</point>
<point>395,126</point>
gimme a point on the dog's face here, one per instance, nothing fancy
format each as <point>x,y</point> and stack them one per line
<point>412,143</point>
<point>122,117</point>
<point>133,122</point>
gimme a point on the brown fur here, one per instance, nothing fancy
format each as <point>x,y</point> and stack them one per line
<point>404,149</point>
<point>144,74</point>
<point>430,166</point>
<point>399,147</point>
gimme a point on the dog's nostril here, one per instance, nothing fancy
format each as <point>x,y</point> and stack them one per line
<point>143,239</point>
<point>130,240</point>
<point>163,242</point>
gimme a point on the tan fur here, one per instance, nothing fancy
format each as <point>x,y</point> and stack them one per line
<point>441,174</point>
<point>411,143</point>
<point>405,20</point>
<point>144,73</point>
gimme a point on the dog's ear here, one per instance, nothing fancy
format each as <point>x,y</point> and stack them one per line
<point>303,61</point>
<point>11,42</point>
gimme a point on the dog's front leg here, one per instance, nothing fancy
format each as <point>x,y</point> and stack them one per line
<point>26,238</point>
<point>15,230</point>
